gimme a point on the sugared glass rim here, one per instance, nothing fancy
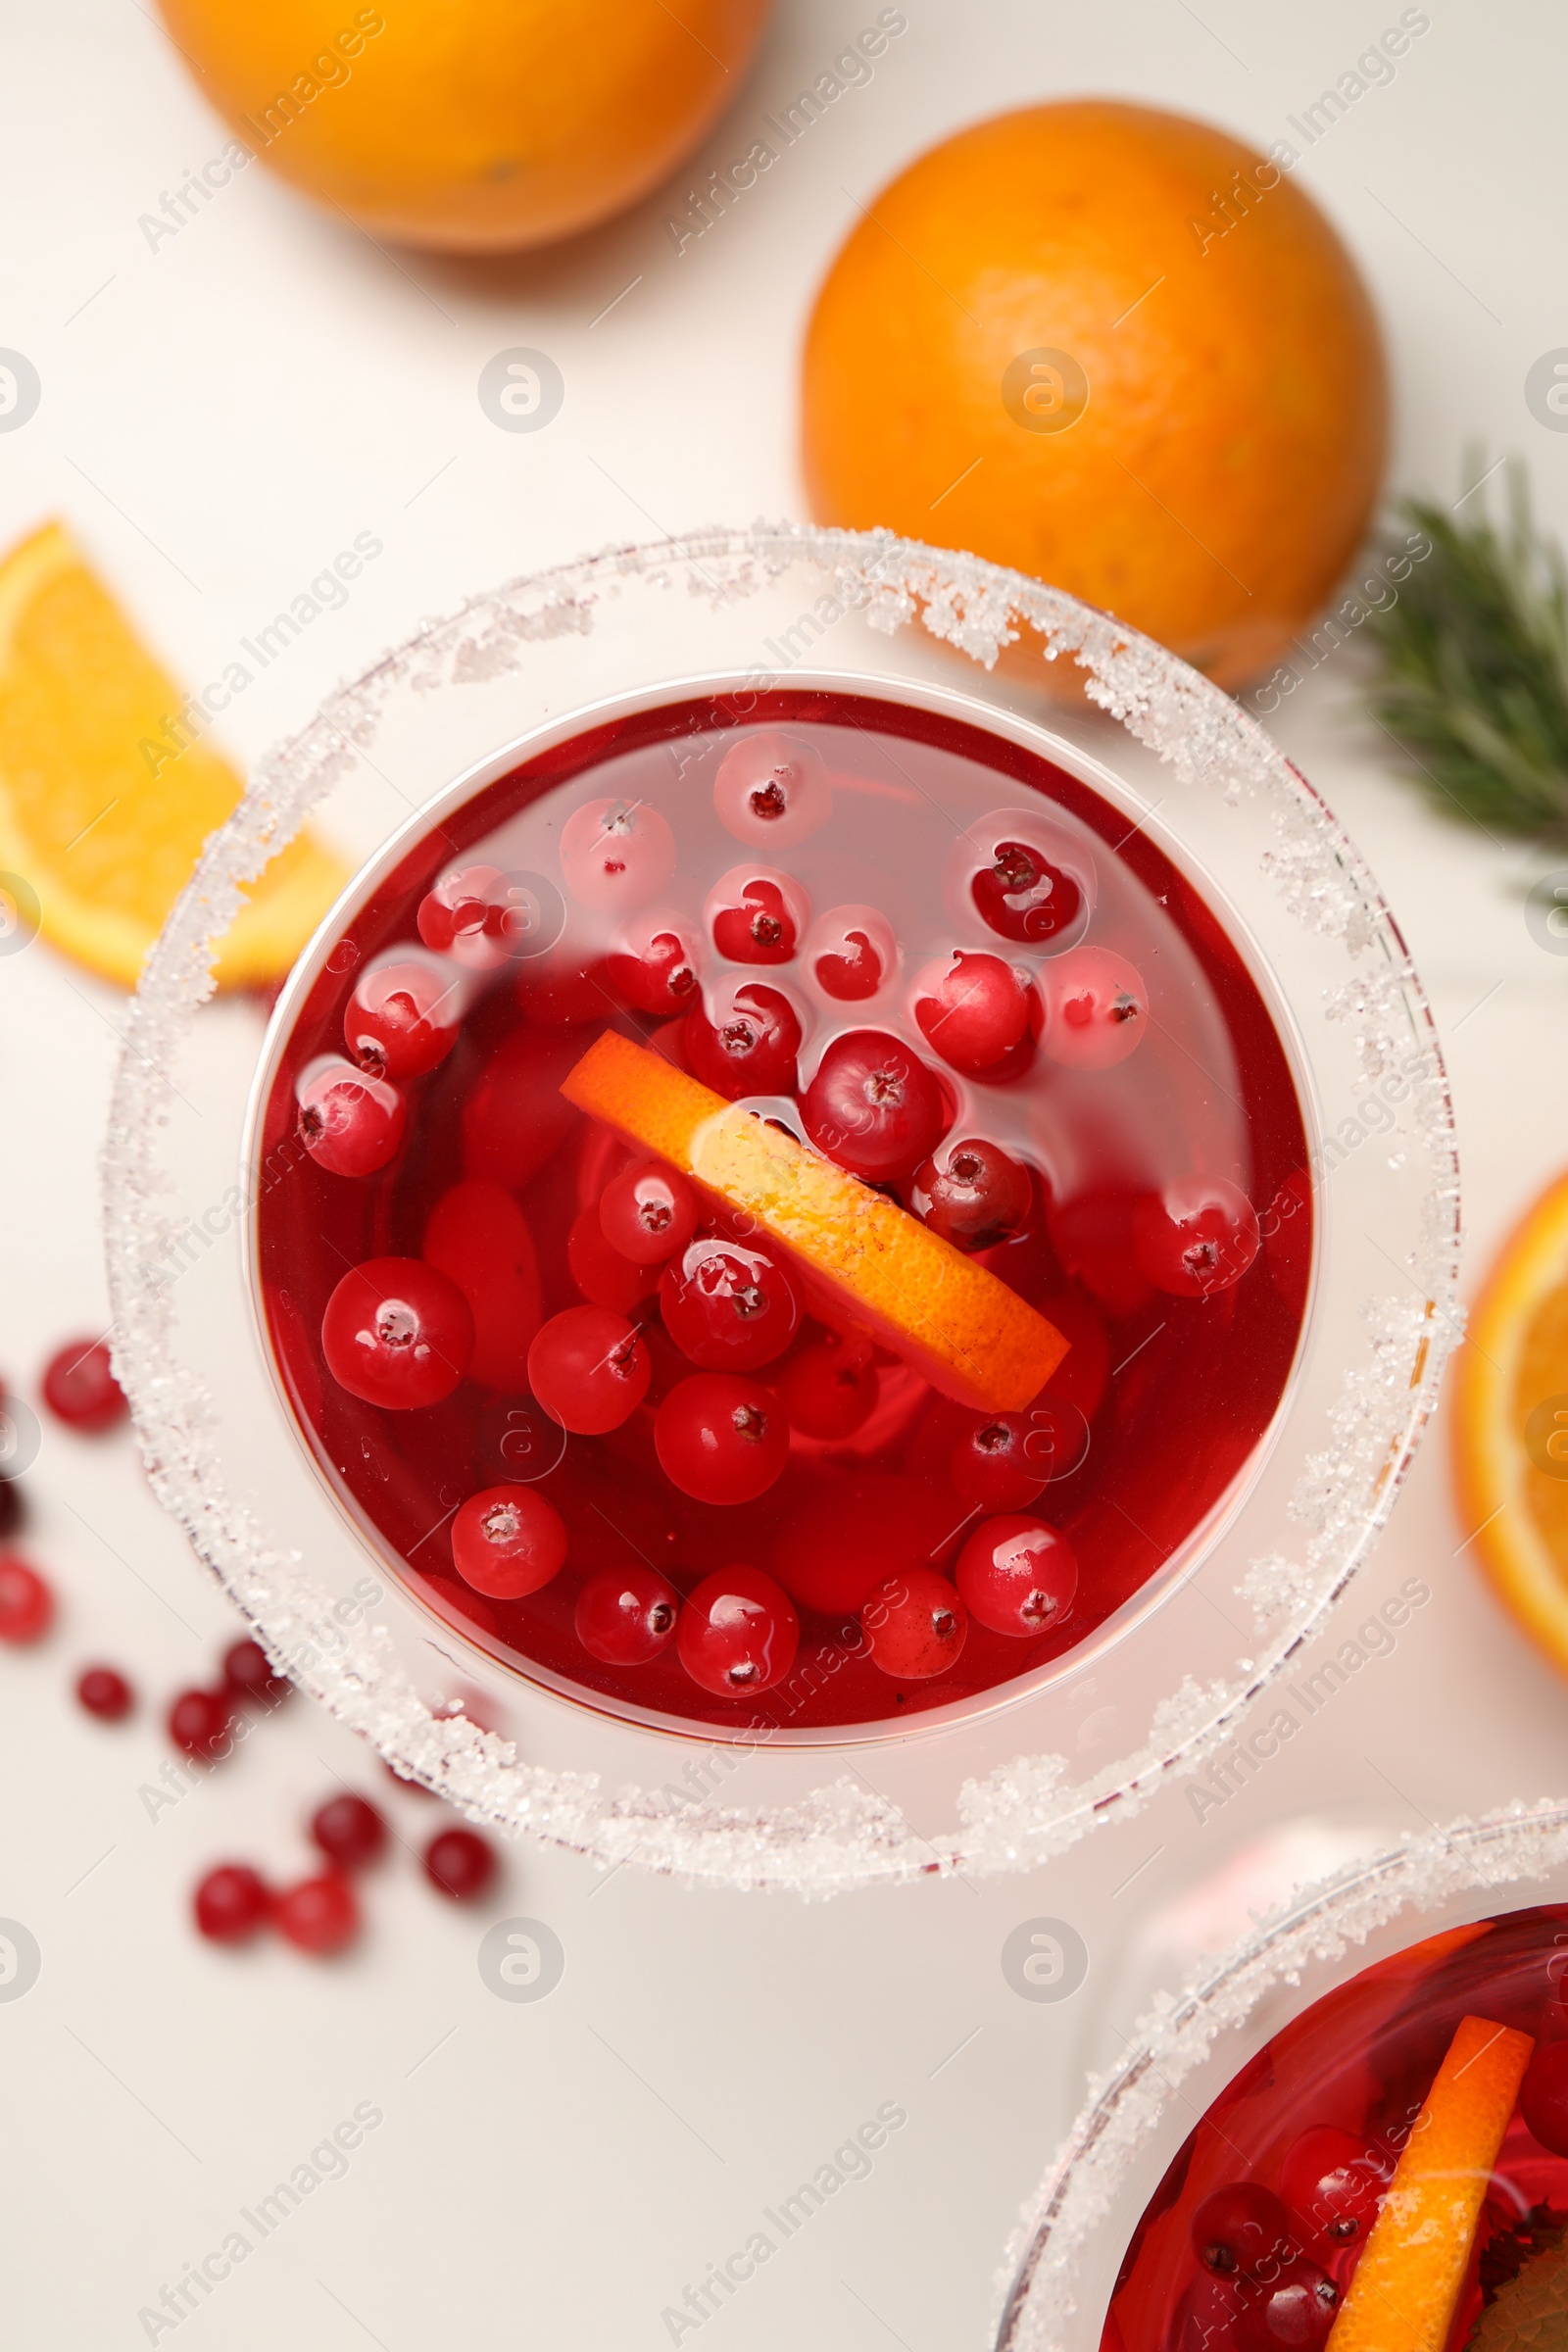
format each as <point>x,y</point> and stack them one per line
<point>833,1835</point>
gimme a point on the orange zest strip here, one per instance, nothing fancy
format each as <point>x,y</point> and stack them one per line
<point>965,1331</point>
<point>1407,2281</point>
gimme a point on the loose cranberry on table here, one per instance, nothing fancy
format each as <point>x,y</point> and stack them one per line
<point>350,1123</point>
<point>348,1830</point>
<point>200,1723</point>
<point>756,915</point>
<point>617,853</point>
<point>507,1542</point>
<point>319,1916</point>
<point>403,1019</point>
<point>248,1675</point>
<point>972,1010</point>
<point>750,1046</point>
<point>914,1624</point>
<point>828,1387</point>
<point>652,964</point>
<point>772,789</point>
<point>1196,1238</point>
<point>11,1512</point>
<point>721,1438</point>
<point>727,1307</point>
<point>1021,895</point>
<point>589,1369</point>
<point>852,953</point>
<point>874,1105</point>
<point>1018,1576</point>
<point>648,1212</point>
<point>738,1632</point>
<point>79,1387</point>
<point>460,1863</point>
<point>27,1604</point>
<point>397,1333</point>
<point>972,1193</point>
<point>625,1616</point>
<point>1095,1007</point>
<point>231,1902</point>
<point>105,1692</point>
<point>603,1277</point>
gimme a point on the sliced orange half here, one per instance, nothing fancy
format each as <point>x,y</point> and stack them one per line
<point>1510,1426</point>
<point>1407,2281</point>
<point>106,797</point>
<point>969,1335</point>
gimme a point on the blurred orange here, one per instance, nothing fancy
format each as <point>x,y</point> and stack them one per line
<point>1114,348</point>
<point>475,125</point>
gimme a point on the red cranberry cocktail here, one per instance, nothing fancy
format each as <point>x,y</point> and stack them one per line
<point>782,1222</point>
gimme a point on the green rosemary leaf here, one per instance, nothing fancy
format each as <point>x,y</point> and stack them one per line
<point>1473,665</point>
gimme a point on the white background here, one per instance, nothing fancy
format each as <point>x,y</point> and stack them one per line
<point>219,419</point>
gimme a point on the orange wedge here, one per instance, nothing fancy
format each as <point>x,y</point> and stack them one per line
<point>960,1327</point>
<point>1510,1426</point>
<point>101,811</point>
<point>1407,2281</point>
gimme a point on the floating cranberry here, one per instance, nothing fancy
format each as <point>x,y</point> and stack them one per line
<point>874,1106</point>
<point>617,853</point>
<point>79,1387</point>
<point>319,1916</point>
<point>1544,2100</point>
<point>348,1830</point>
<point>652,964</point>
<point>231,1902</point>
<point>1331,2182</point>
<point>1290,2314</point>
<point>829,1387</point>
<point>27,1604</point>
<point>479,1239</point>
<point>105,1692</point>
<point>648,1214</point>
<point>515,1114</point>
<point>972,1010</point>
<point>350,1123</point>
<point>1018,1576</point>
<point>853,952</point>
<point>727,1307</point>
<point>200,1723</point>
<point>1096,1009</point>
<point>738,1632</point>
<point>589,1369</point>
<point>991,1465</point>
<point>756,915</point>
<point>1243,2230</point>
<point>1195,1237</point>
<point>603,1277</point>
<point>972,1193</point>
<point>483,919</point>
<point>1021,895</point>
<point>397,1333</point>
<point>11,1512</point>
<point>507,1542</point>
<point>914,1624</point>
<point>721,1439</point>
<point>625,1616</point>
<point>772,788</point>
<point>460,1863</point>
<point>248,1675</point>
<point>749,1047</point>
<point>402,1019</point>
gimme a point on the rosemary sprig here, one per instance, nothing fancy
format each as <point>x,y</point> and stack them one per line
<point>1473,662</point>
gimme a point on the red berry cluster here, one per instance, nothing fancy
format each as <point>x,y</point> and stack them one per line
<point>321,1914</point>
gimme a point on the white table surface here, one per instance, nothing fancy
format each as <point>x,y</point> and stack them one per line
<point>221,417</point>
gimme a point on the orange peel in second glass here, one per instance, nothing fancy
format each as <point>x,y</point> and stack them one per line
<point>867,1259</point>
<point>1510,1426</point>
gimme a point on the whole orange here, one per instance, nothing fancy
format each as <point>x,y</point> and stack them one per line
<point>476,126</point>
<point>1114,348</point>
